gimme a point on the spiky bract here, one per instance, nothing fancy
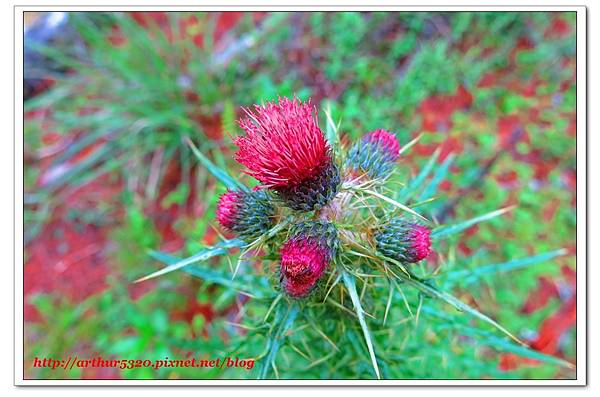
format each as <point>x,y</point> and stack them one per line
<point>248,214</point>
<point>315,192</point>
<point>375,154</point>
<point>403,240</point>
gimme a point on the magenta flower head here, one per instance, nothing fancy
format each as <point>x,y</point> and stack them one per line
<point>248,214</point>
<point>375,154</point>
<point>285,149</point>
<point>403,241</point>
<point>306,255</point>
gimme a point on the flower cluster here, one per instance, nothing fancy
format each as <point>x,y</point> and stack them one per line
<point>286,151</point>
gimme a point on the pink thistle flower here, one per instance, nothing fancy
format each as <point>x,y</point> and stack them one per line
<point>306,255</point>
<point>404,241</point>
<point>283,145</point>
<point>303,262</point>
<point>421,243</point>
<point>285,149</point>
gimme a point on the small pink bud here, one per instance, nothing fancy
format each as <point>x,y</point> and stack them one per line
<point>227,208</point>
<point>404,241</point>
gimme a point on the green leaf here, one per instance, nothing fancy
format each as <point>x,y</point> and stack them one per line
<point>351,286</point>
<point>217,172</point>
<point>446,231</point>
<point>219,249</point>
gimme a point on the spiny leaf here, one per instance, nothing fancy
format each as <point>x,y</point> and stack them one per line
<point>409,144</point>
<point>489,339</point>
<point>207,253</point>
<point>351,286</point>
<point>217,172</point>
<point>523,351</point>
<point>446,231</point>
<point>240,284</point>
<point>283,322</point>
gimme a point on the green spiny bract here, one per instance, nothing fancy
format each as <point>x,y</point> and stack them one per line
<point>313,193</point>
<point>403,240</point>
<point>248,214</point>
<point>375,154</point>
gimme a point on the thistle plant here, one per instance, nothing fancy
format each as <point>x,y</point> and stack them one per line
<point>342,246</point>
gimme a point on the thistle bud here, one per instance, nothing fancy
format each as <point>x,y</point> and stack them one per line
<point>306,255</point>
<point>375,154</point>
<point>404,241</point>
<point>285,149</point>
<point>248,214</point>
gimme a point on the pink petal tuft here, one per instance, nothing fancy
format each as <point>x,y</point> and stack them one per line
<point>227,208</point>
<point>421,242</point>
<point>283,145</point>
<point>303,261</point>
